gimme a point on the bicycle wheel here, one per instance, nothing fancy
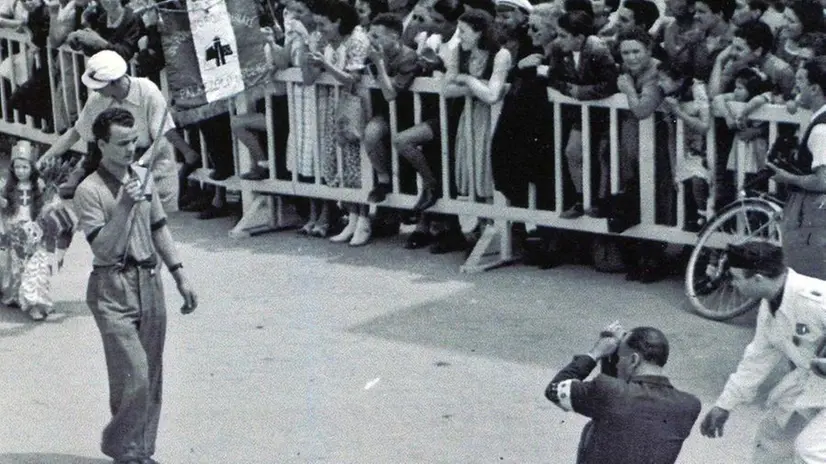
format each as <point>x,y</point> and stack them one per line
<point>707,280</point>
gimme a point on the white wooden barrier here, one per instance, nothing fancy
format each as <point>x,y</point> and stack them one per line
<point>264,210</point>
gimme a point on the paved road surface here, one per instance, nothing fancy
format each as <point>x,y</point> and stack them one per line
<point>304,351</point>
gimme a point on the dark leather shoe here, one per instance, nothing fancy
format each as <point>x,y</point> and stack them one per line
<point>212,212</point>
<point>446,242</point>
<point>418,240</point>
<point>197,205</point>
<point>256,173</point>
<point>573,212</point>
<point>220,175</point>
<point>379,193</point>
<point>428,198</point>
<point>633,274</point>
<point>649,275</point>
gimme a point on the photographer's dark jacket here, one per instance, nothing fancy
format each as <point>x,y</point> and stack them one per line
<point>642,421</point>
<point>804,215</point>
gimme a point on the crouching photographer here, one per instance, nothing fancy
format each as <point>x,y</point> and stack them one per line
<point>637,415</point>
<point>804,216</point>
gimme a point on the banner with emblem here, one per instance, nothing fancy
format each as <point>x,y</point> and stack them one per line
<point>214,50</point>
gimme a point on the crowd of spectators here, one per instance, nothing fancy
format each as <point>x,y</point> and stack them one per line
<point>675,60</point>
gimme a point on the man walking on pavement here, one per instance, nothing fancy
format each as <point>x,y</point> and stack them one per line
<point>637,415</point>
<point>791,329</point>
<point>126,227</point>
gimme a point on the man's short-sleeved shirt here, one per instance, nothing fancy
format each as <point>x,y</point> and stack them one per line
<point>146,102</point>
<point>817,141</point>
<point>95,201</point>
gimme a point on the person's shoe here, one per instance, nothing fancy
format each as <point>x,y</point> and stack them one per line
<point>347,233</point>
<point>213,212</point>
<point>38,314</point>
<point>219,175</point>
<point>362,234</point>
<point>633,274</point>
<point>448,241</point>
<point>256,173</point>
<point>385,227</point>
<point>573,212</point>
<point>595,211</point>
<point>428,198</point>
<point>306,229</point>
<point>379,193</point>
<point>418,240</point>
<point>197,205</point>
<point>649,275</point>
<point>320,230</point>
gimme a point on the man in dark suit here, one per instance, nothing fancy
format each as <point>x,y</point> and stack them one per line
<point>637,415</point>
<point>582,67</point>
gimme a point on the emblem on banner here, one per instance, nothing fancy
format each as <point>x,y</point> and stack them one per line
<point>218,51</point>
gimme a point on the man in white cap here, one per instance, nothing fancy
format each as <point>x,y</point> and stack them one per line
<point>512,21</point>
<point>106,75</point>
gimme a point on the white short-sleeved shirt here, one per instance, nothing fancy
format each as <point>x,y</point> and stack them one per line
<point>146,102</point>
<point>817,141</point>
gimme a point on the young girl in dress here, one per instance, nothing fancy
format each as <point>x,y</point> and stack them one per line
<point>34,228</point>
<point>750,87</point>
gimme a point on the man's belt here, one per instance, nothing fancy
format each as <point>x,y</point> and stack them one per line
<point>131,262</point>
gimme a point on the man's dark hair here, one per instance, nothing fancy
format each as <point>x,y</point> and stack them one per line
<point>101,128</point>
<point>488,6</point>
<point>449,9</point>
<point>809,13</point>
<point>338,10</point>
<point>816,72</point>
<point>389,20</point>
<point>640,35</point>
<point>579,5</point>
<point>577,23</point>
<point>759,5</point>
<point>757,34</point>
<point>377,7</point>
<point>645,12</point>
<point>757,257</point>
<point>726,7</point>
<point>649,343</point>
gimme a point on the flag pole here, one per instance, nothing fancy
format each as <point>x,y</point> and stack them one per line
<point>145,181</point>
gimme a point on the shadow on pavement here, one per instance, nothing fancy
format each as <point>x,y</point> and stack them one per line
<point>14,322</point>
<point>48,458</point>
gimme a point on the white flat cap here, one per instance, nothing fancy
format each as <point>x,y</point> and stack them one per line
<point>523,5</point>
<point>102,68</point>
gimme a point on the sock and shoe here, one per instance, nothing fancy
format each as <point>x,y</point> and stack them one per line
<point>256,173</point>
<point>379,192</point>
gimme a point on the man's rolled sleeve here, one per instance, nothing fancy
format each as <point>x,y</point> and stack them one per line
<point>157,113</point>
<point>89,210</point>
<point>157,215</point>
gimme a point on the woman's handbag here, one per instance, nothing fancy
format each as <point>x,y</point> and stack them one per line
<point>16,67</point>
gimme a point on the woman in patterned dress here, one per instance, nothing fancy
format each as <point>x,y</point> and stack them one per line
<point>344,57</point>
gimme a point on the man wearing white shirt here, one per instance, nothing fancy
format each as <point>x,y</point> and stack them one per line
<point>804,228</point>
<point>790,334</point>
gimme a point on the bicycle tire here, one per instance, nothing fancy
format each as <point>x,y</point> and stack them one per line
<point>706,277</point>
